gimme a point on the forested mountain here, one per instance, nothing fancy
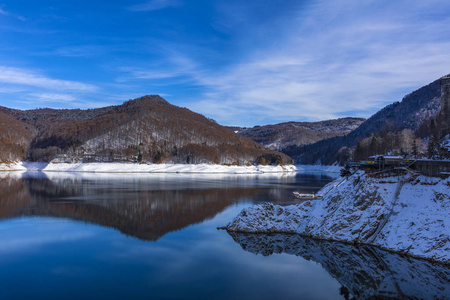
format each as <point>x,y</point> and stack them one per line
<point>15,137</point>
<point>286,134</point>
<point>386,128</point>
<point>147,129</point>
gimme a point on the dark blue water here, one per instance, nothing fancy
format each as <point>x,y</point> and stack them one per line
<point>67,236</point>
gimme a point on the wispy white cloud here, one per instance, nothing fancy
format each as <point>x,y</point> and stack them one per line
<point>342,59</point>
<point>53,97</point>
<point>24,77</point>
<point>324,59</point>
<point>154,5</point>
<point>80,51</point>
<point>6,13</point>
<point>174,65</point>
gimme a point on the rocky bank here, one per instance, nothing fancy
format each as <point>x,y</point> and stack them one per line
<point>407,214</point>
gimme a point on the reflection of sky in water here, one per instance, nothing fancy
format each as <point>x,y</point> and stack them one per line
<point>52,258</point>
<point>44,257</point>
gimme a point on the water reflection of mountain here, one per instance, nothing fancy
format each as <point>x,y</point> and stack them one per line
<point>143,205</point>
<point>364,272</point>
<point>13,197</point>
<point>144,212</point>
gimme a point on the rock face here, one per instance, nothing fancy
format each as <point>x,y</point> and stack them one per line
<point>406,214</point>
<point>365,272</point>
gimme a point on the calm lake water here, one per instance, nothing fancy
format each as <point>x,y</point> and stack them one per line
<point>126,236</point>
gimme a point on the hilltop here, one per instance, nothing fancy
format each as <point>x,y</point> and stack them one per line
<point>148,129</point>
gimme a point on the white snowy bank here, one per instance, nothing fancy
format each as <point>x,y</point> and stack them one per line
<point>406,214</point>
<point>143,168</point>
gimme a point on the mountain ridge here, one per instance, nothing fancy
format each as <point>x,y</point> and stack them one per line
<point>414,109</point>
<point>281,135</point>
<point>146,129</point>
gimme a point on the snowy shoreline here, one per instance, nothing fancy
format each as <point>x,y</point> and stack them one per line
<point>403,214</point>
<point>144,168</point>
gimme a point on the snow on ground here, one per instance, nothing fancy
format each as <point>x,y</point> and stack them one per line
<point>406,214</point>
<point>12,166</point>
<point>144,168</point>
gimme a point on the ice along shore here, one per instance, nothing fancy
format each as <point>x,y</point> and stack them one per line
<point>407,214</point>
<point>144,168</point>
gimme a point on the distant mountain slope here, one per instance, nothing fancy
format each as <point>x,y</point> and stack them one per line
<point>298,133</point>
<point>414,108</point>
<point>146,129</point>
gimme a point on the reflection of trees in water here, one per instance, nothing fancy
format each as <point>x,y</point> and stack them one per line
<point>364,272</point>
<point>143,213</point>
<point>13,197</point>
<point>146,208</point>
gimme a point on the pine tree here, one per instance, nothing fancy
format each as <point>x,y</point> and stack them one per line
<point>414,148</point>
<point>432,145</point>
<point>373,145</point>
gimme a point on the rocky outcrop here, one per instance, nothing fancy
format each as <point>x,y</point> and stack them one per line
<point>406,214</point>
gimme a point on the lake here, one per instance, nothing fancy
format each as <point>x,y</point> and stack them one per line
<point>154,236</point>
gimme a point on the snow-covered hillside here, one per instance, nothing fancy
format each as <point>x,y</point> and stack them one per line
<point>406,214</point>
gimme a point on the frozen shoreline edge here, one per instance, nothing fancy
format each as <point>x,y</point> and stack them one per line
<point>143,168</point>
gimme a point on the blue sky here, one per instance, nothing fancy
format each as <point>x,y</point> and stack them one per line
<point>239,62</point>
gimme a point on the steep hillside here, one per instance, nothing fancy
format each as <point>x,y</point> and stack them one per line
<point>15,137</point>
<point>414,109</point>
<point>298,133</point>
<point>147,129</point>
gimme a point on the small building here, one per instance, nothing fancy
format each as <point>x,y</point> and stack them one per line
<point>382,162</point>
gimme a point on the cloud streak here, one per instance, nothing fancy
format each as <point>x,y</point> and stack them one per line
<point>236,61</point>
<point>52,97</point>
<point>24,77</point>
<point>6,13</point>
<point>154,5</point>
<point>333,59</point>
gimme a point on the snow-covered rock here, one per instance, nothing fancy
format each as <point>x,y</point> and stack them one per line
<point>406,214</point>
